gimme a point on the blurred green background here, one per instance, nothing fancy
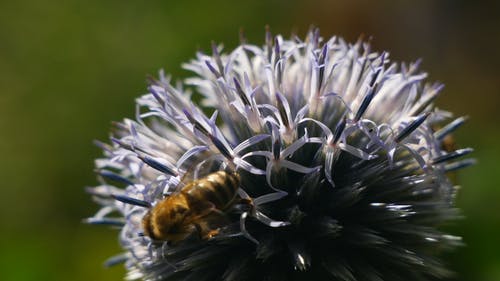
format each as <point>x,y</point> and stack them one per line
<point>68,68</point>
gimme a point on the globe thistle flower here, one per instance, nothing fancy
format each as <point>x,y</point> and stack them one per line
<point>340,160</point>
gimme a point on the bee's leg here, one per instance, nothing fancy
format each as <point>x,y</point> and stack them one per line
<point>217,213</point>
<point>247,201</point>
<point>196,221</point>
<point>211,234</point>
<point>205,231</point>
<point>214,221</point>
<point>199,229</point>
<point>208,220</point>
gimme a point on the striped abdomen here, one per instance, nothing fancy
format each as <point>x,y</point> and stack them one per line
<point>218,188</point>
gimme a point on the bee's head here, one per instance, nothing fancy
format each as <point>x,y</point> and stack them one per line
<point>147,226</point>
<point>166,221</point>
<point>174,226</point>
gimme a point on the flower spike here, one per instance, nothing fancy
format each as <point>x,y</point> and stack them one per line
<point>301,159</point>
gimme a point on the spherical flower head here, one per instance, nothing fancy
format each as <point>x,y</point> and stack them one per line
<point>303,160</point>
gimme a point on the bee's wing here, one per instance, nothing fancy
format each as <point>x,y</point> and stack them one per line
<point>207,164</point>
<point>201,209</point>
<point>206,211</point>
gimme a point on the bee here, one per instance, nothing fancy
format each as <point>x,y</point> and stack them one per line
<point>197,208</point>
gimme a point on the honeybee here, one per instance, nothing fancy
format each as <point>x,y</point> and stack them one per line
<point>197,208</point>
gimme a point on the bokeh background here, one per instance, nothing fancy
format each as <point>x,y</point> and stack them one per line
<point>68,68</point>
